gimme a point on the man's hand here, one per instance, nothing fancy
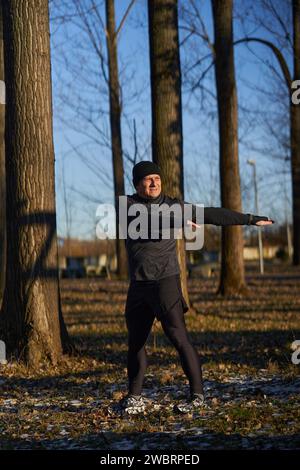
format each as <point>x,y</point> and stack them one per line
<point>265,222</point>
<point>259,220</point>
<point>189,222</point>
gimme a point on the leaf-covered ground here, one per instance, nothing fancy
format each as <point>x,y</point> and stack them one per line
<point>252,387</point>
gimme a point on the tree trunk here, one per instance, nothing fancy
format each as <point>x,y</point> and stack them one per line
<point>232,280</point>
<point>295,138</point>
<point>167,141</point>
<point>30,317</point>
<point>294,119</point>
<point>115,126</point>
<point>2,168</point>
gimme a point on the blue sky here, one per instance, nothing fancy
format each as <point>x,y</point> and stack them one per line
<point>200,125</point>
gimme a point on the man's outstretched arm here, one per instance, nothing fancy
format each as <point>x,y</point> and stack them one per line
<point>222,216</point>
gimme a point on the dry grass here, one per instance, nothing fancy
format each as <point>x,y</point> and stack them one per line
<point>245,345</point>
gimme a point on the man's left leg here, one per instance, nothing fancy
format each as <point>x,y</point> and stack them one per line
<point>173,324</point>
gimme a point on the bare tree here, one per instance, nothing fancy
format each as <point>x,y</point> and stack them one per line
<point>31,323</point>
<point>288,78</point>
<point>2,168</point>
<point>98,71</point>
<point>167,140</point>
<point>295,137</point>
<point>198,76</point>
<point>198,71</point>
<point>232,269</point>
<point>115,126</point>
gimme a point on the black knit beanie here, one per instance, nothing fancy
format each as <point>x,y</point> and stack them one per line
<point>142,169</point>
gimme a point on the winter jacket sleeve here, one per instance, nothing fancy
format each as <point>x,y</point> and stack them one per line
<point>222,216</point>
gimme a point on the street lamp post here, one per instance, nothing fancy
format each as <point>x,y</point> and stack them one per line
<point>288,232</point>
<point>260,245</point>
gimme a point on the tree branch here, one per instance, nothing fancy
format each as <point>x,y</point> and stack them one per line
<point>124,17</point>
<point>278,55</point>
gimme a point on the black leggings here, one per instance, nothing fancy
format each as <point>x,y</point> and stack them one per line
<point>161,299</point>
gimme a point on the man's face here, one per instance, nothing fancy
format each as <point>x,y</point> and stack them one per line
<point>149,186</point>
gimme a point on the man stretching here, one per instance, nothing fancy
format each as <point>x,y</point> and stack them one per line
<point>155,290</point>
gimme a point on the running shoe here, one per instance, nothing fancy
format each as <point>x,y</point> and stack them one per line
<point>194,403</point>
<point>129,405</point>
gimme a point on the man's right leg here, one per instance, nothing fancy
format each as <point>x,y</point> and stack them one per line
<point>139,321</point>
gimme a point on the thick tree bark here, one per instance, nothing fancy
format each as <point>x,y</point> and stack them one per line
<point>115,126</point>
<point>295,139</point>
<point>30,321</point>
<point>167,141</point>
<point>2,169</point>
<point>232,280</point>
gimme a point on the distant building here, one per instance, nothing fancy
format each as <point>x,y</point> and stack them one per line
<point>252,252</point>
<point>79,258</point>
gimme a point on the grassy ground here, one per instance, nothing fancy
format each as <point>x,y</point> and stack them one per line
<point>251,385</point>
